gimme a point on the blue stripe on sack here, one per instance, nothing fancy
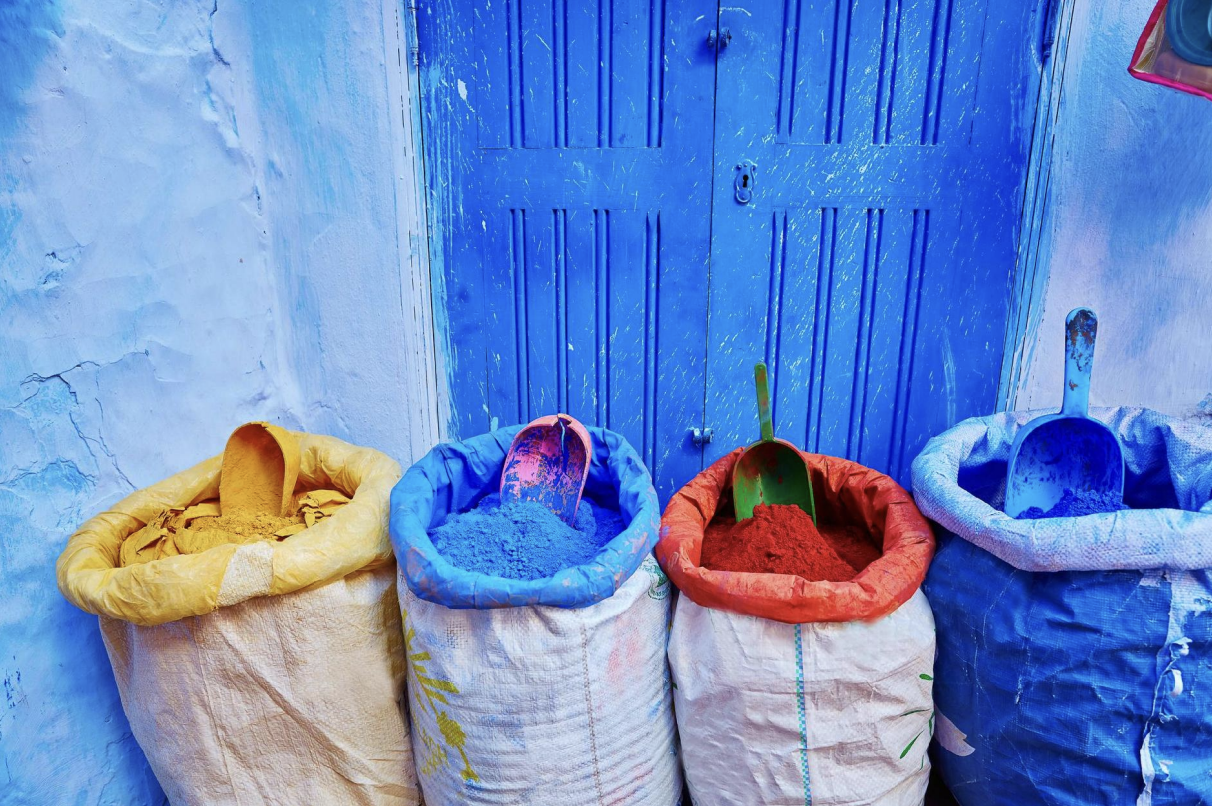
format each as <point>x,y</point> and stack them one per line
<point>799,698</point>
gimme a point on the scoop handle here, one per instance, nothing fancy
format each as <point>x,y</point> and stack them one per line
<point>1081,327</point>
<point>763,400</point>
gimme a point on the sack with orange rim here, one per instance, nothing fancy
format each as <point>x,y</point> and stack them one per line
<point>248,607</point>
<point>788,690</point>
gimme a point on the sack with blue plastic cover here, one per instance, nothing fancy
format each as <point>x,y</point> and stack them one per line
<point>1074,654</point>
<point>552,691</point>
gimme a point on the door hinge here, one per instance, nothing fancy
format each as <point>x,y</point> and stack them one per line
<point>701,436</point>
<point>1047,33</point>
<point>410,32</point>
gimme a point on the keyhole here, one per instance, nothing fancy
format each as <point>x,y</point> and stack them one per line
<point>744,180</point>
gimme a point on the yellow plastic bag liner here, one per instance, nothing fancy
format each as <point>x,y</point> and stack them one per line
<point>353,539</point>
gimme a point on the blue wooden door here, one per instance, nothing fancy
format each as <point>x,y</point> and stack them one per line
<point>569,157</point>
<point>582,158</point>
<point>871,268</point>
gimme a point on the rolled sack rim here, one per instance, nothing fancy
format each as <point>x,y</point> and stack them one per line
<point>352,539</point>
<point>475,466</point>
<point>1135,539</point>
<point>884,508</point>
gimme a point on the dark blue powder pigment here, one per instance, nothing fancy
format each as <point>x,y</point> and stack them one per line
<point>524,539</point>
<point>1075,504</point>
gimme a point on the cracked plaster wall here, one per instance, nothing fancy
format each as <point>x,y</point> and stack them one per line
<point>1128,227</point>
<point>199,226</point>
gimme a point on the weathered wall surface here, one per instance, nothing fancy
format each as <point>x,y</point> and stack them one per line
<point>200,216</point>
<point>1129,226</point>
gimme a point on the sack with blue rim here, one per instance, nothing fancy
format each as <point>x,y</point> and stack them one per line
<point>553,691</point>
<point>1074,654</point>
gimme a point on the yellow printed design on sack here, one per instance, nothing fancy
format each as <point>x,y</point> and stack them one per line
<point>434,691</point>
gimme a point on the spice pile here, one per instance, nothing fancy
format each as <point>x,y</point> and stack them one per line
<point>524,539</point>
<point>1075,504</point>
<point>195,529</point>
<point>782,539</point>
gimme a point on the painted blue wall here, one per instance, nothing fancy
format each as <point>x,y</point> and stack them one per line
<point>1128,226</point>
<point>198,227</point>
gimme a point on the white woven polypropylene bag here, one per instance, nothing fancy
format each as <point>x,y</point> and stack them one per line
<point>275,701</point>
<point>543,705</point>
<point>774,714</point>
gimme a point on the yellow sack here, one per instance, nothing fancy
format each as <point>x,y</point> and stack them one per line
<point>353,539</point>
<point>268,672</point>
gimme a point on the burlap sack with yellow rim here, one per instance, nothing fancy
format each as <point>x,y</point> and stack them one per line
<point>264,673</point>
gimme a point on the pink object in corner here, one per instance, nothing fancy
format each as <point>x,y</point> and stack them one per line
<point>1156,61</point>
<point>548,462</point>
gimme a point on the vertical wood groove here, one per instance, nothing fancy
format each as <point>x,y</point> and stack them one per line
<point>820,325</point>
<point>940,38</point>
<point>603,75</point>
<point>606,313</point>
<point>602,300</point>
<point>909,321</point>
<point>661,84</point>
<point>866,316</point>
<point>559,260</point>
<point>656,72</point>
<point>788,71</point>
<point>606,136</point>
<point>886,80</point>
<point>513,49</point>
<point>559,72</point>
<point>652,269</point>
<point>836,107</point>
<point>521,76</point>
<point>517,254</point>
<point>896,67</point>
<point>942,74</point>
<point>774,302</point>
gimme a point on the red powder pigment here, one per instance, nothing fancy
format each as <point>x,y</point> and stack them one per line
<point>782,539</point>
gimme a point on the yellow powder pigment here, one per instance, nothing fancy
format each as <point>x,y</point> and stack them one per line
<point>201,527</point>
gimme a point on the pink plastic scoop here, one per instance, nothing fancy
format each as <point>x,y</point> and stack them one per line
<point>548,462</point>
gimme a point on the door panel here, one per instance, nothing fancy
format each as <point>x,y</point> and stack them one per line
<point>570,179</point>
<point>872,267</point>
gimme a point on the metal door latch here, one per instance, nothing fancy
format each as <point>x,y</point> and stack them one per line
<point>743,184</point>
<point>701,436</point>
<point>720,38</point>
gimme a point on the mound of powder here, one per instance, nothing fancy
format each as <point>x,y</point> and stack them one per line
<point>197,528</point>
<point>524,539</point>
<point>852,543</point>
<point>1075,504</point>
<point>782,539</point>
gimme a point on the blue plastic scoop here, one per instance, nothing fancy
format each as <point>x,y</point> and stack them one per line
<point>1070,450</point>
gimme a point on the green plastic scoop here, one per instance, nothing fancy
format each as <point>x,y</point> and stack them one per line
<point>770,471</point>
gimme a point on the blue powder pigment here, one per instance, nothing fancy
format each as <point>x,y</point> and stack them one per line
<point>1075,504</point>
<point>524,539</point>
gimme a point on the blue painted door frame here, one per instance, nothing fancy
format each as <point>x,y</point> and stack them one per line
<point>581,157</point>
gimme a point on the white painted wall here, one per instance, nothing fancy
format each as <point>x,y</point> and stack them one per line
<point>207,212</point>
<point>1128,226</point>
